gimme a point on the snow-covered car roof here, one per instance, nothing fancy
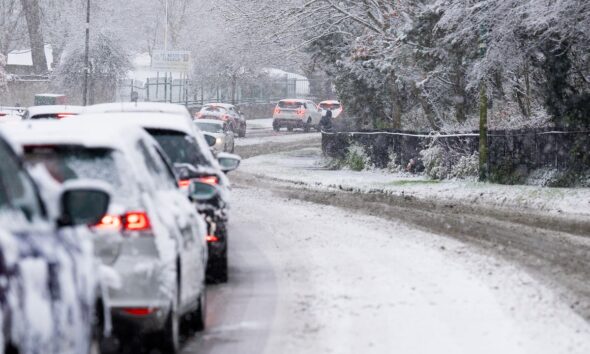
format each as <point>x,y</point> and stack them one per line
<point>71,132</point>
<point>293,100</point>
<point>150,120</point>
<point>209,121</point>
<point>224,105</point>
<point>330,102</point>
<point>139,107</point>
<point>40,110</point>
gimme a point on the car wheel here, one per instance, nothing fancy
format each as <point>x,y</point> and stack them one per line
<point>233,147</point>
<point>170,341</point>
<point>242,132</point>
<point>199,316</point>
<point>276,127</point>
<point>307,126</point>
<point>218,272</point>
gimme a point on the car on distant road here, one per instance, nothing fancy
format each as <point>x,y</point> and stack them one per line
<point>152,236</point>
<point>219,131</point>
<point>52,112</point>
<point>334,106</point>
<point>50,284</point>
<point>225,112</point>
<point>296,113</point>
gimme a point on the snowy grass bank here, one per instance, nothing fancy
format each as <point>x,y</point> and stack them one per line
<point>309,167</point>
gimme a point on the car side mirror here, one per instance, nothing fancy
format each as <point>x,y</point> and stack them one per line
<point>202,192</point>
<point>211,140</point>
<point>82,205</point>
<point>229,162</point>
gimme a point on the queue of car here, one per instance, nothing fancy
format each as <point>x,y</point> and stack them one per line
<point>111,223</point>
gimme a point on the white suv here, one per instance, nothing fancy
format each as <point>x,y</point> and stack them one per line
<point>296,113</point>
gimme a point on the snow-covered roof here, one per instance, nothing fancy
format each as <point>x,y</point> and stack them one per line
<point>330,102</point>
<point>164,121</point>
<point>71,132</point>
<point>139,107</point>
<point>24,57</point>
<point>272,72</point>
<point>39,110</point>
<point>210,121</point>
<point>223,105</point>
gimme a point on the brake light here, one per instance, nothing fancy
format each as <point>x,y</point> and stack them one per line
<point>212,180</point>
<point>139,311</point>
<point>64,115</point>
<point>212,238</point>
<point>300,111</point>
<point>109,222</point>
<point>225,117</point>
<point>200,115</point>
<point>277,110</point>
<point>136,221</point>
<point>184,183</point>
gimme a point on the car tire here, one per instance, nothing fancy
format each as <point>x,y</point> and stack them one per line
<point>307,126</point>
<point>233,147</point>
<point>199,316</point>
<point>170,341</point>
<point>242,133</point>
<point>276,127</point>
<point>218,272</point>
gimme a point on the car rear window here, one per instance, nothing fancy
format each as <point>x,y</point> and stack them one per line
<point>69,162</point>
<point>52,116</point>
<point>290,104</point>
<point>330,106</point>
<point>210,127</point>
<point>180,148</point>
<point>213,109</point>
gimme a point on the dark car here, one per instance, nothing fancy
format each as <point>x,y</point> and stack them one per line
<point>49,278</point>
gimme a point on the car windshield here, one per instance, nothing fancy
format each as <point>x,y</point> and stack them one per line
<point>180,147</point>
<point>65,162</point>
<point>330,106</point>
<point>210,127</point>
<point>290,104</point>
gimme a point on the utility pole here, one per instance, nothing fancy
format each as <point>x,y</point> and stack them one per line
<point>483,112</point>
<point>86,56</point>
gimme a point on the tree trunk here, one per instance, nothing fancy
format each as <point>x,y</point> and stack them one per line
<point>32,14</point>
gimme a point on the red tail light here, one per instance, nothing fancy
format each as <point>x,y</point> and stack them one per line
<point>139,311</point>
<point>225,117</point>
<point>212,238</point>
<point>184,183</point>
<point>277,110</point>
<point>109,222</point>
<point>212,180</point>
<point>301,112</point>
<point>136,221</point>
<point>64,115</point>
<point>200,115</point>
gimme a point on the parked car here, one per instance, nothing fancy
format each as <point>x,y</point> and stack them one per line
<point>50,283</point>
<point>225,112</point>
<point>334,106</point>
<point>156,239</point>
<point>52,112</point>
<point>296,113</point>
<point>223,137</point>
<point>192,162</point>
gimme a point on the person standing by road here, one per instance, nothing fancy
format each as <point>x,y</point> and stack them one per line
<point>326,121</point>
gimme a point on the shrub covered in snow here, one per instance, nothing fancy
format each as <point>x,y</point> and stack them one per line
<point>467,166</point>
<point>357,158</point>
<point>434,162</point>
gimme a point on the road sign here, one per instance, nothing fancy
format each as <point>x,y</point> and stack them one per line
<point>171,61</point>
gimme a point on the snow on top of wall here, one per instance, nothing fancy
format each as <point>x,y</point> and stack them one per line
<point>23,57</point>
<point>278,73</point>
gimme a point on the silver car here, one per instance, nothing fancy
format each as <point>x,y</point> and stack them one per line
<point>221,136</point>
<point>152,236</point>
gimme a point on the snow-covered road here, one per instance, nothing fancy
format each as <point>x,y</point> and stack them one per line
<point>307,278</point>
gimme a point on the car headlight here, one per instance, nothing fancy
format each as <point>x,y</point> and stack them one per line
<point>218,141</point>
